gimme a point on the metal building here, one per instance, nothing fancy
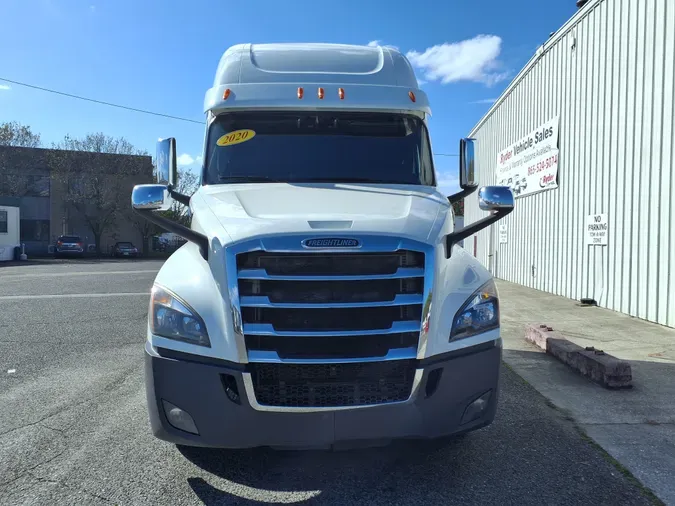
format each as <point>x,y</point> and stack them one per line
<point>585,137</point>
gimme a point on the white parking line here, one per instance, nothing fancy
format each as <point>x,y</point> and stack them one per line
<point>75,273</point>
<point>74,295</point>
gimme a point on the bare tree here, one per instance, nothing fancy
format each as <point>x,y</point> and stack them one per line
<point>96,186</point>
<point>99,143</point>
<point>15,180</point>
<point>188,183</point>
<point>16,134</point>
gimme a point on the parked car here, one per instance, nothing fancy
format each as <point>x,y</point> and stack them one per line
<point>69,245</point>
<point>124,249</point>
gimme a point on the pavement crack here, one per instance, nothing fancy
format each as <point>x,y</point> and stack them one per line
<point>44,479</point>
<point>31,469</point>
<point>106,389</point>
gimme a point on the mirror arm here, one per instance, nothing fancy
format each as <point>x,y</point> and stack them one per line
<point>179,197</point>
<point>178,229</point>
<point>464,192</point>
<point>469,230</point>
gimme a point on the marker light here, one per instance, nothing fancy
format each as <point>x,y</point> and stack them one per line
<point>320,93</point>
<point>301,92</point>
<point>411,95</point>
<point>341,93</point>
<point>226,94</point>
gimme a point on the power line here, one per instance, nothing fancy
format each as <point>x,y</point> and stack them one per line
<point>143,111</point>
<point>101,102</point>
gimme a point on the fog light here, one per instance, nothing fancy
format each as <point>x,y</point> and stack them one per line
<point>476,409</point>
<point>179,419</point>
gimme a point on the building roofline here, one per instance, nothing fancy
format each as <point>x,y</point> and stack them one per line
<point>45,150</point>
<point>541,51</point>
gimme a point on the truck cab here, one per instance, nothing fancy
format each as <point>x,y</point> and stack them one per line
<point>322,297</point>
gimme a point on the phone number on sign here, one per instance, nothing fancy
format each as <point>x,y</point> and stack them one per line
<point>543,165</point>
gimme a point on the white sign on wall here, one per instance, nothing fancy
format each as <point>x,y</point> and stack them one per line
<point>502,234</point>
<point>530,165</point>
<point>595,230</point>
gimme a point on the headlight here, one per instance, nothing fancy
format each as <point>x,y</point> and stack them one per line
<point>172,318</point>
<point>479,313</point>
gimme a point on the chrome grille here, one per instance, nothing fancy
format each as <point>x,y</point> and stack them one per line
<point>361,308</point>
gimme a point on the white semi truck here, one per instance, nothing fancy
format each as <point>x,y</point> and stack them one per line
<point>322,297</point>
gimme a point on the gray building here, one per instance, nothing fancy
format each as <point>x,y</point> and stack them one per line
<point>585,137</point>
<point>66,192</point>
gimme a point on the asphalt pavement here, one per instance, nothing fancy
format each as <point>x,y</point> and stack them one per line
<point>74,428</point>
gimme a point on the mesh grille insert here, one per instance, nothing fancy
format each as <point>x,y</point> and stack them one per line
<point>332,385</point>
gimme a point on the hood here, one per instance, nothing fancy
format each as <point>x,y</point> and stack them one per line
<point>242,211</point>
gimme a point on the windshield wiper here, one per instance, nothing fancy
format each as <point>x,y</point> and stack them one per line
<point>250,179</point>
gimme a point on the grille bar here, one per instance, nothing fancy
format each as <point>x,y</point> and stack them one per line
<point>264,301</point>
<point>267,329</point>
<point>402,272</point>
<point>272,357</point>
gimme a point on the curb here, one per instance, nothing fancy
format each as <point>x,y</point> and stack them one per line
<point>596,365</point>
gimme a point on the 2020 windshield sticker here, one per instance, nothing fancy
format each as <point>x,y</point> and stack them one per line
<point>236,137</point>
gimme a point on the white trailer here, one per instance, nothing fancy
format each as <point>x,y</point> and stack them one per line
<point>9,231</point>
<point>299,313</point>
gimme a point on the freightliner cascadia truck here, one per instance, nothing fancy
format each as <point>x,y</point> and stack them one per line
<point>321,298</point>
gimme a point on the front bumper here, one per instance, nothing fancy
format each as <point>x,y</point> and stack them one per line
<point>69,251</point>
<point>196,386</point>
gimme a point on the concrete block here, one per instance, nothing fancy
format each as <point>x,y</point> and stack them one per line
<point>596,365</point>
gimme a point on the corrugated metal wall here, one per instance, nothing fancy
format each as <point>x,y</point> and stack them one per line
<point>608,74</point>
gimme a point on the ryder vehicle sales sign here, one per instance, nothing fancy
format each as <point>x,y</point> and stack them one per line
<point>530,165</point>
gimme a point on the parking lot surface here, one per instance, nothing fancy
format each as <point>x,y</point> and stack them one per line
<point>74,428</point>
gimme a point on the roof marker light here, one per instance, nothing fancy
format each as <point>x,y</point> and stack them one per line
<point>411,95</point>
<point>320,93</point>
<point>301,92</point>
<point>226,94</point>
<point>341,93</point>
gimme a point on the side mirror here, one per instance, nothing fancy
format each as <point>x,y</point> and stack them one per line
<point>467,164</point>
<point>499,200</point>
<point>167,164</point>
<point>151,197</point>
<point>147,198</point>
<point>496,198</point>
<point>467,170</point>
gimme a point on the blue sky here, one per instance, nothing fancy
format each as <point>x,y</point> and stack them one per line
<point>161,56</point>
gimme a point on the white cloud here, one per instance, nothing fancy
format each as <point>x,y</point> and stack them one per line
<point>185,159</point>
<point>484,101</point>
<point>5,87</point>
<point>374,43</point>
<point>473,59</point>
<point>447,182</point>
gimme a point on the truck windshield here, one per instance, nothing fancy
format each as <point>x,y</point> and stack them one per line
<point>318,147</point>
